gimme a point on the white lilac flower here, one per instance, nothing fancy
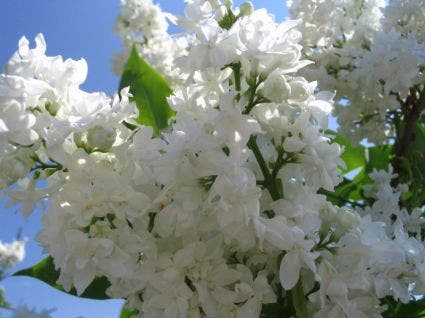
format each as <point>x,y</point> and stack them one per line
<point>369,52</point>
<point>11,254</point>
<point>218,213</point>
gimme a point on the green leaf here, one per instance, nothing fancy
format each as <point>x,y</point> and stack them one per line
<point>419,141</point>
<point>46,272</point>
<point>354,157</point>
<point>378,158</point>
<point>414,309</point>
<point>359,161</point>
<point>348,191</point>
<point>299,300</point>
<point>273,310</point>
<point>228,20</point>
<point>150,91</point>
<point>128,313</point>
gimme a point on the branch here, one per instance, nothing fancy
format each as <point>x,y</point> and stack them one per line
<point>336,196</point>
<point>412,110</point>
<point>271,183</point>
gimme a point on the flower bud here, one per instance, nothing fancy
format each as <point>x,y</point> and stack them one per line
<point>228,3</point>
<point>14,167</point>
<point>52,107</point>
<point>100,229</point>
<point>276,88</point>
<point>348,218</point>
<point>101,137</point>
<point>299,90</point>
<point>246,8</point>
<point>327,215</point>
<point>78,140</point>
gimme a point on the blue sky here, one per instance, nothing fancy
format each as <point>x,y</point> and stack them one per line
<point>73,29</point>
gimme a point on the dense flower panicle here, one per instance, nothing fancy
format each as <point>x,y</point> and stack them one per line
<point>221,213</point>
<point>385,253</point>
<point>371,53</point>
<point>406,16</point>
<point>45,116</point>
<point>143,24</point>
<point>11,254</point>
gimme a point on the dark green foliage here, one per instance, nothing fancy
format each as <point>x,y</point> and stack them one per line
<point>228,20</point>
<point>128,313</point>
<point>45,271</point>
<point>150,91</point>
